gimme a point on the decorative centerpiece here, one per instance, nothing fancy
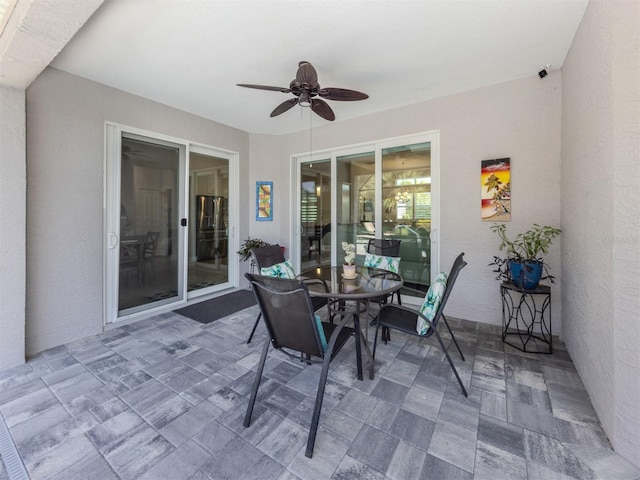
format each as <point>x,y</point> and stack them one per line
<point>349,268</point>
<point>523,265</point>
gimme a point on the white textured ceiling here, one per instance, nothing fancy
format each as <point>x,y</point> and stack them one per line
<point>190,54</point>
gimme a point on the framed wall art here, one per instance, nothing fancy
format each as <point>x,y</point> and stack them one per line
<point>264,201</point>
<point>495,180</point>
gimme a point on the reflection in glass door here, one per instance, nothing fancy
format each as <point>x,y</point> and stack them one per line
<point>315,213</point>
<point>148,250</point>
<point>208,264</point>
<point>406,208</point>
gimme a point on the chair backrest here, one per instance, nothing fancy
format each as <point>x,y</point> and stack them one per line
<point>288,313</point>
<point>131,247</point>
<point>458,265</point>
<point>151,243</point>
<point>267,256</point>
<point>384,247</point>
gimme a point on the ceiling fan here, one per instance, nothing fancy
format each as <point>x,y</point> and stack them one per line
<point>306,88</point>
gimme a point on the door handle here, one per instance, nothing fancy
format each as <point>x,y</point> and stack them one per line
<point>113,240</point>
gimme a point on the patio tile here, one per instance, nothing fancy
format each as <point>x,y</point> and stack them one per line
<point>38,424</point>
<point>391,392</point>
<point>114,428</point>
<point>73,460</point>
<point>552,454</point>
<point>407,461</point>
<point>434,468</point>
<point>137,451</point>
<point>108,407</point>
<point>374,448</point>
<point>454,444</point>
<point>284,442</point>
<point>412,429</point>
<point>497,464</point>
<point>357,405</point>
<point>235,459</point>
<point>502,435</point>
<point>265,468</point>
<point>180,464</point>
<point>350,468</point>
<point>493,405</point>
<point>28,406</point>
<point>329,451</point>
<point>283,400</point>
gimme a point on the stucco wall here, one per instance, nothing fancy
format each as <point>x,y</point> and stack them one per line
<point>65,129</point>
<point>601,212</point>
<point>12,235</point>
<point>518,119</point>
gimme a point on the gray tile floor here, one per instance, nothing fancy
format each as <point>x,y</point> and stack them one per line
<point>164,399</point>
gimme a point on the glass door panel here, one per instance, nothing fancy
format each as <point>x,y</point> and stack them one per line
<point>208,221</point>
<point>406,208</point>
<point>356,202</point>
<point>315,213</point>
<point>148,235</point>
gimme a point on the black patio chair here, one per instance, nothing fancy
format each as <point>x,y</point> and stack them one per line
<point>264,257</point>
<point>399,317</point>
<point>295,330</point>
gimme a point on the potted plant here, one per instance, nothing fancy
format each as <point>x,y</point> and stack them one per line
<point>247,245</point>
<point>524,265</point>
<point>349,267</point>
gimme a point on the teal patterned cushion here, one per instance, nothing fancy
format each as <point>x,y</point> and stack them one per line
<point>391,264</point>
<point>431,302</point>
<point>323,338</point>
<point>280,270</point>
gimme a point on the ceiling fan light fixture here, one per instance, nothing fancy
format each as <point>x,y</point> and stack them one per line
<point>305,100</point>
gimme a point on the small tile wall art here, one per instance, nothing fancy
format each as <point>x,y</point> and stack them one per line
<point>264,201</point>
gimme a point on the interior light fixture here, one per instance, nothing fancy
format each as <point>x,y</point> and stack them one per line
<point>403,197</point>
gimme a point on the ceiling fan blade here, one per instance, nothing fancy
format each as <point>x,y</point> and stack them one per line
<point>284,106</point>
<point>323,109</point>
<point>342,94</point>
<point>265,87</point>
<point>307,74</point>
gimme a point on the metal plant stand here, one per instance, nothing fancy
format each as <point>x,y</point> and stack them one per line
<point>526,318</point>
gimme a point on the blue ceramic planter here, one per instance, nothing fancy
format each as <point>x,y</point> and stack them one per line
<point>526,275</point>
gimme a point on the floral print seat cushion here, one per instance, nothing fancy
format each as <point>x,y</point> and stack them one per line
<point>391,264</point>
<point>431,302</point>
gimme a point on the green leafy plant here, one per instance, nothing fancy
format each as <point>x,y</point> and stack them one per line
<point>526,247</point>
<point>248,244</point>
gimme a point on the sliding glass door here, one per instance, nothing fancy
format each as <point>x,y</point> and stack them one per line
<point>384,190</point>
<point>208,263</point>
<point>169,219</point>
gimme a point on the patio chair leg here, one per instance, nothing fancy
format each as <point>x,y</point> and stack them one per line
<point>313,429</point>
<point>256,383</point>
<point>375,342</point>
<point>255,325</point>
<point>453,336</point>
<point>453,367</point>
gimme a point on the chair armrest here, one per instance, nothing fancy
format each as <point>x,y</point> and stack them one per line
<point>406,309</point>
<point>315,281</point>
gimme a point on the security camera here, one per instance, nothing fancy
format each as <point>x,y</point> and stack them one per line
<point>544,72</point>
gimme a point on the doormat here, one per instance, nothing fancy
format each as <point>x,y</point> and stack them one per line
<point>210,310</point>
